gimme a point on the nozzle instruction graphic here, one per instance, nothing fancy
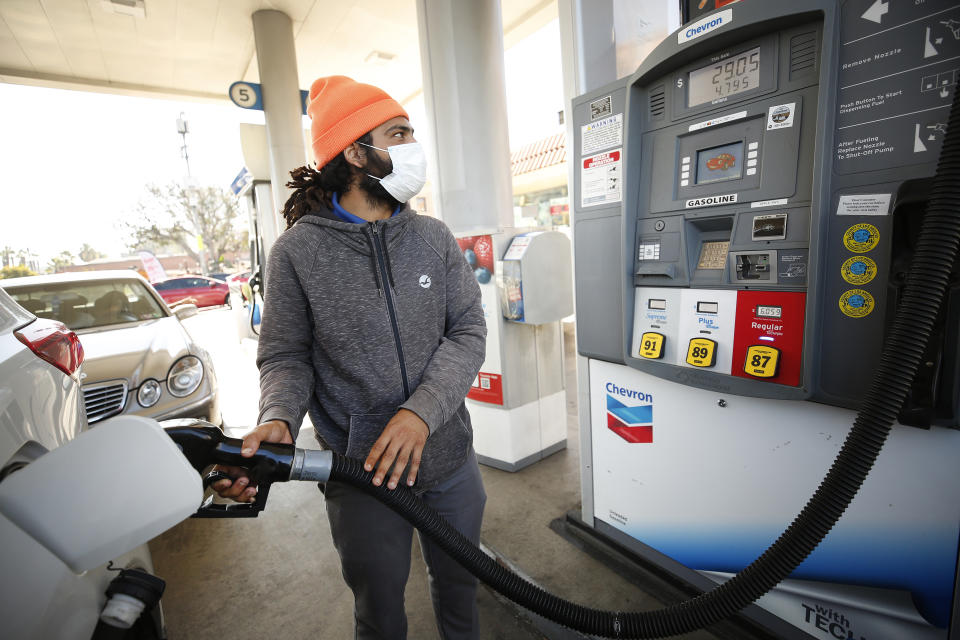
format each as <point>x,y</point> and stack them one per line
<point>876,11</point>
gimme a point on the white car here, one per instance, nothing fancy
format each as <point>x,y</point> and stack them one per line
<point>41,410</point>
<point>139,358</point>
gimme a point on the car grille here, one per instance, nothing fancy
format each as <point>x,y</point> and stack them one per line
<point>104,400</point>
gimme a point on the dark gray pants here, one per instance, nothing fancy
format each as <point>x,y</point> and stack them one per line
<point>374,546</point>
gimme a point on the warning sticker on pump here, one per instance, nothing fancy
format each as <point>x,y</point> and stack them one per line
<point>859,270</point>
<point>856,303</point>
<point>861,238</point>
<point>600,178</point>
<point>781,116</point>
<point>601,134</point>
<point>867,204</point>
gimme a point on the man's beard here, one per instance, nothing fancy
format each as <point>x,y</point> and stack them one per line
<point>373,191</point>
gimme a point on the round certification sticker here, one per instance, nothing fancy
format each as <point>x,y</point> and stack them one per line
<point>861,238</point>
<point>856,303</point>
<point>858,270</point>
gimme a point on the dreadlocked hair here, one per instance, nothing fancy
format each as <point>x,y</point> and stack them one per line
<point>314,189</point>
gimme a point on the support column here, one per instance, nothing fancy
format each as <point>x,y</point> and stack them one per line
<point>461,51</point>
<point>518,406</point>
<point>277,62</point>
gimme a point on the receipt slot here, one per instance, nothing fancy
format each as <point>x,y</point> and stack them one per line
<point>734,292</point>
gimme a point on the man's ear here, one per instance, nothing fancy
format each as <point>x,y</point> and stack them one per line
<point>355,155</point>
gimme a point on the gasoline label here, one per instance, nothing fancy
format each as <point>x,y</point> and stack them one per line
<point>856,303</point>
<point>861,238</point>
<point>858,270</point>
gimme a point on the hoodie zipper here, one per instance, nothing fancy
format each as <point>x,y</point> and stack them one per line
<point>379,249</point>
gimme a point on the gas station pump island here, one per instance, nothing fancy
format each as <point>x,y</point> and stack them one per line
<point>747,205</point>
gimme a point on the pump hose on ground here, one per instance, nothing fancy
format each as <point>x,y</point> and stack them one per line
<point>922,297</point>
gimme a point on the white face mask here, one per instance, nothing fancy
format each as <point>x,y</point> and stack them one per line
<point>409,170</point>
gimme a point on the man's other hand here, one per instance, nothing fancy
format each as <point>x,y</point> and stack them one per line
<point>400,443</point>
<point>239,488</point>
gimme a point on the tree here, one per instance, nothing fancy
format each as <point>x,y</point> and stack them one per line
<point>7,252</point>
<point>177,214</point>
<point>16,272</point>
<point>58,263</point>
<point>88,253</point>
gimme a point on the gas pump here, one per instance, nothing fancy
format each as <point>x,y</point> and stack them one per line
<point>747,205</point>
<point>257,198</point>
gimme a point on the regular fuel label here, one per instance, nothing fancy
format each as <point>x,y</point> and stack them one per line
<point>856,303</point>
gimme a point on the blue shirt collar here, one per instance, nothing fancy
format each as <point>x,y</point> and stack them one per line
<point>346,216</point>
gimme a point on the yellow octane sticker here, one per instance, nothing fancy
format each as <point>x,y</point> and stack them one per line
<point>702,352</point>
<point>856,303</point>
<point>651,345</point>
<point>858,270</point>
<point>762,361</point>
<point>861,238</point>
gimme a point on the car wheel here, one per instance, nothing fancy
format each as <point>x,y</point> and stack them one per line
<point>226,301</point>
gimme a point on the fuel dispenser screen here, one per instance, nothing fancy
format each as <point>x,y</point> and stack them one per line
<point>720,163</point>
<point>728,77</point>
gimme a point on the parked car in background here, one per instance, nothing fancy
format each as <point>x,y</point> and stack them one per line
<point>41,409</point>
<point>198,290</point>
<point>139,358</point>
<point>238,278</point>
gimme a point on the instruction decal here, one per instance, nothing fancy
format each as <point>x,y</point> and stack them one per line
<point>858,270</point>
<point>601,134</point>
<point>856,303</point>
<point>781,116</point>
<point>600,179</point>
<point>861,238</point>
<point>865,204</point>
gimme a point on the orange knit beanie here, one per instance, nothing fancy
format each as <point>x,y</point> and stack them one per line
<point>342,110</point>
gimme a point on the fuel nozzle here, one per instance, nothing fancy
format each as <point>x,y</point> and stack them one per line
<point>204,444</point>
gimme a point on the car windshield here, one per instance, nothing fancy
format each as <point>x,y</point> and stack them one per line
<point>82,305</point>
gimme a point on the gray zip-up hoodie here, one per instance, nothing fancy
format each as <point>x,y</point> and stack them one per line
<point>360,320</point>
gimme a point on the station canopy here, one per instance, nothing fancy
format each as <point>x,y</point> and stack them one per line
<point>198,48</point>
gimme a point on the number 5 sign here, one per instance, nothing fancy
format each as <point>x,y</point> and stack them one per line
<point>246,95</point>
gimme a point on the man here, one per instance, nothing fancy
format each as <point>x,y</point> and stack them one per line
<point>372,323</point>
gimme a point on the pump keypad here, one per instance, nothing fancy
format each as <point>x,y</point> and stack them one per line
<point>651,345</point>
<point>762,361</point>
<point>702,352</point>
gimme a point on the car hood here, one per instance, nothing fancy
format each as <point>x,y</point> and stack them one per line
<point>134,352</point>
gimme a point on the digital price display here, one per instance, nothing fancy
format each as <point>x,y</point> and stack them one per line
<point>728,77</point>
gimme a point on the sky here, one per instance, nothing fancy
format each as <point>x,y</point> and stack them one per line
<point>74,164</point>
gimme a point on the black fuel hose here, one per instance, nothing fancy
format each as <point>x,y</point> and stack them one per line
<point>921,301</point>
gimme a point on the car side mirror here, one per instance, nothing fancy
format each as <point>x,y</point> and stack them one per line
<point>88,501</point>
<point>184,311</point>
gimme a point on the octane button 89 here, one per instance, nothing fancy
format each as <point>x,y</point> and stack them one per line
<point>702,352</point>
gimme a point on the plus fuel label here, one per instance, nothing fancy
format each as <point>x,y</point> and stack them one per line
<point>861,238</point>
<point>858,270</point>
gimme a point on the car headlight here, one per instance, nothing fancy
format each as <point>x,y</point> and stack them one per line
<point>149,393</point>
<point>185,376</point>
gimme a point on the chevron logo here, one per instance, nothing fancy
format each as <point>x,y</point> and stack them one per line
<point>633,424</point>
